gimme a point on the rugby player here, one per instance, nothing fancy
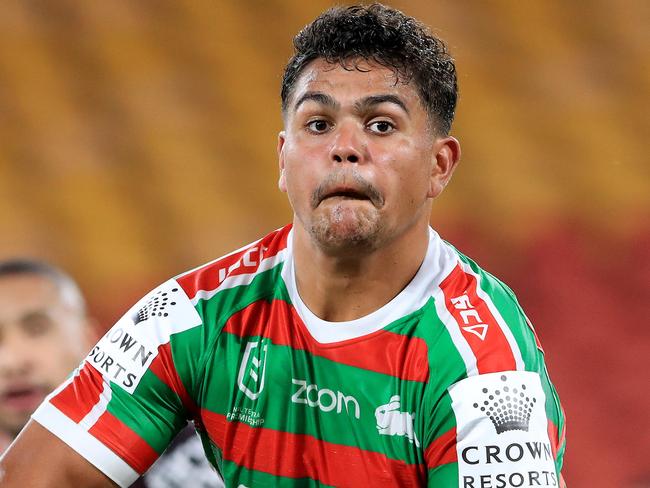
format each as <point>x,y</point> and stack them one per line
<point>353,347</point>
<point>44,332</point>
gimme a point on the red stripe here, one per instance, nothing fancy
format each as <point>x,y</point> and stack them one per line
<point>303,456</point>
<point>442,450</point>
<point>553,437</point>
<point>383,352</point>
<point>124,442</point>
<point>81,394</point>
<point>493,352</point>
<point>163,367</point>
<point>246,261</point>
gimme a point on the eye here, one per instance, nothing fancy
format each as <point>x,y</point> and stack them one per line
<point>381,127</point>
<point>36,323</point>
<point>318,126</point>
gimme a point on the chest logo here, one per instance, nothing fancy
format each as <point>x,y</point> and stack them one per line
<point>250,379</point>
<point>390,421</point>
<point>325,399</point>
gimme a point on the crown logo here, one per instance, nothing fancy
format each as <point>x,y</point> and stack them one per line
<point>156,306</point>
<point>508,408</point>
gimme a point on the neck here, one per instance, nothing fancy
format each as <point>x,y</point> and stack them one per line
<point>349,285</point>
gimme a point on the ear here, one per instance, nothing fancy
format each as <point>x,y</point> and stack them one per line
<point>446,155</point>
<point>282,183</point>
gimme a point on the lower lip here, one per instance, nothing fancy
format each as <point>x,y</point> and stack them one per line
<point>346,198</point>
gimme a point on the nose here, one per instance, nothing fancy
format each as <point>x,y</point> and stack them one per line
<point>347,145</point>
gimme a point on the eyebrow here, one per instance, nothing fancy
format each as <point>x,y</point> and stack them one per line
<point>317,97</point>
<point>361,106</point>
<point>369,102</point>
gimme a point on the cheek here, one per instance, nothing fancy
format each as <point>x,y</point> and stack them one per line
<point>407,183</point>
<point>300,177</point>
<point>57,355</point>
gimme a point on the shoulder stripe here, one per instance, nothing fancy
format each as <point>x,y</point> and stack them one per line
<point>498,318</point>
<point>275,320</point>
<point>304,456</point>
<point>204,281</point>
<point>474,325</point>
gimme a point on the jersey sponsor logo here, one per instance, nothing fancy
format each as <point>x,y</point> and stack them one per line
<point>470,317</point>
<point>121,358</point>
<point>127,350</point>
<point>250,379</point>
<point>390,421</point>
<point>325,399</point>
<point>502,435</point>
<point>508,407</point>
<point>248,262</point>
<point>159,304</point>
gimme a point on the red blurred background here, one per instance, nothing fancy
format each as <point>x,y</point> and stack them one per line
<point>137,140</point>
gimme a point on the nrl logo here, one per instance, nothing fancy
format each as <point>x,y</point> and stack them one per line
<point>250,379</point>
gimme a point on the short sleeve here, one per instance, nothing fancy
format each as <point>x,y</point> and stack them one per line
<point>131,394</point>
<point>493,430</point>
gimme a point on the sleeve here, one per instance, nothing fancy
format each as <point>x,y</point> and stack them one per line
<point>495,433</point>
<point>129,397</point>
<point>494,418</point>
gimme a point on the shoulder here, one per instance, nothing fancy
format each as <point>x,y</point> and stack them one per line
<point>237,268</point>
<point>484,320</point>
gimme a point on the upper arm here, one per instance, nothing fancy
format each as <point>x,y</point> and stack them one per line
<point>39,459</point>
<point>500,434</point>
<point>128,399</point>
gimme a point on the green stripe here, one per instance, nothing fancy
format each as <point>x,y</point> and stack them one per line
<point>446,367</point>
<point>445,476</point>
<point>193,350</point>
<point>153,411</point>
<point>330,413</point>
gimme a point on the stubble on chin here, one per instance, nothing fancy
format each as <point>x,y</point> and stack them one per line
<point>344,229</point>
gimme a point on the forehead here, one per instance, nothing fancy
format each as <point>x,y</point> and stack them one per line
<point>355,80</point>
<point>25,293</point>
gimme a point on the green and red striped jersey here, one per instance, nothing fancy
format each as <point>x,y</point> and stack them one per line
<point>443,386</point>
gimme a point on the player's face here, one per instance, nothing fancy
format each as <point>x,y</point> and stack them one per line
<point>42,339</point>
<point>358,158</point>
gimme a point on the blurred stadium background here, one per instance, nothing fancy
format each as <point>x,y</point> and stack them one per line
<point>137,140</point>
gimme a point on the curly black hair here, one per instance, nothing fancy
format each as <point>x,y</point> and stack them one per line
<point>387,37</point>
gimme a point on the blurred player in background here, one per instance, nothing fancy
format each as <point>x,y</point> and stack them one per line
<point>45,331</point>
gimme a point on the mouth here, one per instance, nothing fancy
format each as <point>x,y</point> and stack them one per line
<point>346,187</point>
<point>346,194</point>
<point>22,398</point>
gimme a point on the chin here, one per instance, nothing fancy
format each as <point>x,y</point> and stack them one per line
<point>346,232</point>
